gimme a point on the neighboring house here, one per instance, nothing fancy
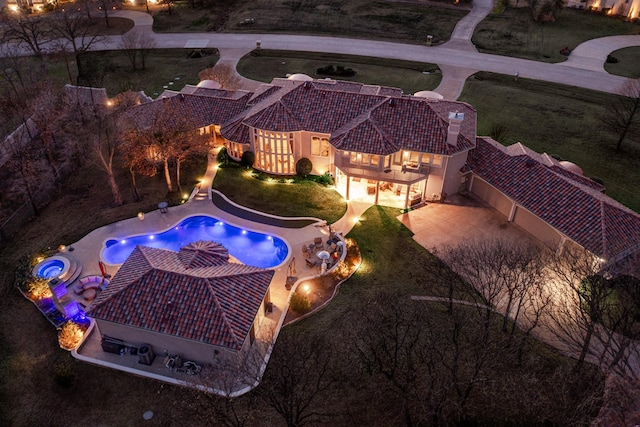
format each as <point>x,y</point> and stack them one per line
<point>383,146</point>
<point>194,303</point>
<point>629,9</point>
<point>27,4</point>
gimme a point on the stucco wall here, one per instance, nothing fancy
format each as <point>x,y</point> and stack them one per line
<point>190,350</point>
<point>452,177</point>
<point>321,165</point>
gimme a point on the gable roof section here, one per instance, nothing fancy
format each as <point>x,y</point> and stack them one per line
<point>364,136</point>
<point>560,198</point>
<point>312,109</point>
<point>154,290</point>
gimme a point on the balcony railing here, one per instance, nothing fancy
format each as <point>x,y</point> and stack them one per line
<point>404,174</point>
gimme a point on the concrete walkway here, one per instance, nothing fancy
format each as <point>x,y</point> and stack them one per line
<point>457,58</point>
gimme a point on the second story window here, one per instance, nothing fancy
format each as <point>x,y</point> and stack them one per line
<point>319,146</point>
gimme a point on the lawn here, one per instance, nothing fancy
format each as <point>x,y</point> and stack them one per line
<point>628,64</point>
<point>514,33</point>
<point>264,65</point>
<point>562,120</point>
<point>165,69</point>
<point>406,21</point>
<point>301,198</point>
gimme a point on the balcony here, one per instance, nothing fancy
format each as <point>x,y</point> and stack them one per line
<point>405,174</point>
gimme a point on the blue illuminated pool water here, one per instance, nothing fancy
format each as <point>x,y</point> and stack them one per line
<point>50,268</point>
<point>249,247</point>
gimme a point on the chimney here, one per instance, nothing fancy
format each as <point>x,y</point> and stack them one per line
<point>455,120</point>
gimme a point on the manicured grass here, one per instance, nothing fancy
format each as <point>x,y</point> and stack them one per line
<point>409,22</point>
<point>514,33</point>
<point>264,65</point>
<point>628,64</point>
<point>302,198</point>
<point>562,120</point>
<point>112,70</point>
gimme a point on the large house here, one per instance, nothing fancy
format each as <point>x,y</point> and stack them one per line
<point>386,147</point>
<point>194,302</point>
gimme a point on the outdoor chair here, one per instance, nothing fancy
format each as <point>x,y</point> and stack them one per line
<point>305,252</point>
<point>318,242</point>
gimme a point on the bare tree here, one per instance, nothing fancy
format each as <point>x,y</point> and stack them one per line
<point>168,135</point>
<point>106,6</point>
<point>49,111</point>
<point>219,403</point>
<point>592,314</point>
<point>146,43</point>
<point>129,45</point>
<point>136,43</point>
<point>222,73</point>
<point>30,31</point>
<point>390,341</point>
<point>622,114</point>
<point>298,376</point>
<point>76,32</point>
<point>501,271</point>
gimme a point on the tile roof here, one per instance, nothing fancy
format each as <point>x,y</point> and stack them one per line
<point>363,118</point>
<point>181,294</point>
<point>564,200</point>
<point>201,110</point>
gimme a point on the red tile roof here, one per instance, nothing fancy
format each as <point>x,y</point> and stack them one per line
<point>201,110</point>
<point>181,294</point>
<point>360,121</point>
<point>566,201</point>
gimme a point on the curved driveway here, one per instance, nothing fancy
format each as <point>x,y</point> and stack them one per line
<point>584,68</point>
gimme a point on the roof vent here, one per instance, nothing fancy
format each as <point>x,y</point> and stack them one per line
<point>392,102</point>
<point>307,84</point>
<point>529,163</point>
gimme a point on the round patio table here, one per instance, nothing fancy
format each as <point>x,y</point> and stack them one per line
<point>163,207</point>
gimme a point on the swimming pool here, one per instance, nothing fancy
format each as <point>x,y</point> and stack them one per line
<point>249,247</point>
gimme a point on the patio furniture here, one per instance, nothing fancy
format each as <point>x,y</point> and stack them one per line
<point>310,262</point>
<point>305,251</point>
<point>318,243</point>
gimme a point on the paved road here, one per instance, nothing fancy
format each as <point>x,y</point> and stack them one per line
<point>583,69</point>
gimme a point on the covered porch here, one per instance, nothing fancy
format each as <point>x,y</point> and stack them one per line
<point>380,192</point>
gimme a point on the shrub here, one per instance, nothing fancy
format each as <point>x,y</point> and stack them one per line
<point>339,71</point>
<point>304,167</point>
<point>38,288</point>
<point>248,159</point>
<point>300,303</point>
<point>223,157</point>
<point>70,335</point>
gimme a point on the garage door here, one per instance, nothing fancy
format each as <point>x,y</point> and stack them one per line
<point>491,196</point>
<point>537,227</point>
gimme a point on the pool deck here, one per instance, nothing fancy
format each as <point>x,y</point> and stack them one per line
<point>87,252</point>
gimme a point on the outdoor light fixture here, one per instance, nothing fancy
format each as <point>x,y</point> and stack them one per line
<point>62,248</point>
<point>140,216</point>
<point>306,288</point>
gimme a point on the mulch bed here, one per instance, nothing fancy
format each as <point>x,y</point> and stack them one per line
<point>322,289</point>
